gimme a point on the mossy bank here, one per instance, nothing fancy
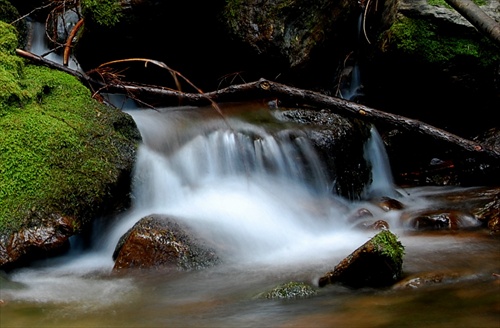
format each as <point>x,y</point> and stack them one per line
<point>62,152</point>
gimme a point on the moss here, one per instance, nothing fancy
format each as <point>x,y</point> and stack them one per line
<point>104,12</point>
<point>388,244</point>
<point>58,145</point>
<point>432,44</point>
<point>443,3</point>
<point>291,290</point>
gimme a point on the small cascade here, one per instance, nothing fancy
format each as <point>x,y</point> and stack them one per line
<point>352,90</point>
<point>261,194</point>
<point>382,180</point>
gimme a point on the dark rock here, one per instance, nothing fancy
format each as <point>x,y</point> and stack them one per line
<point>441,220</point>
<point>161,242</point>
<point>377,263</point>
<point>339,142</point>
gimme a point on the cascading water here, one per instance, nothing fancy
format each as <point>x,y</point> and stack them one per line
<point>353,88</point>
<point>382,183</point>
<point>261,193</point>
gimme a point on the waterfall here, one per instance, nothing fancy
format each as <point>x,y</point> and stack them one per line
<point>259,191</point>
<point>262,194</point>
<point>353,88</point>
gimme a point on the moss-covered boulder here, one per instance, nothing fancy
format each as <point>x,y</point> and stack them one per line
<point>376,263</point>
<point>64,156</point>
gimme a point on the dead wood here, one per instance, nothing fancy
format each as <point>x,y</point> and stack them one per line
<point>477,17</point>
<point>286,95</point>
<point>69,41</point>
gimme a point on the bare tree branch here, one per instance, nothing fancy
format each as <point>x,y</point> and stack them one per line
<point>477,17</point>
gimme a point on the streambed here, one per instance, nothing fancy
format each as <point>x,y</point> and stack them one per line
<point>272,228</point>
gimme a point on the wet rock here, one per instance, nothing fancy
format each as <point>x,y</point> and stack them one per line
<point>161,242</point>
<point>291,290</point>
<point>494,225</point>
<point>377,263</point>
<point>440,220</point>
<point>377,225</point>
<point>49,238</point>
<point>427,279</point>
<point>389,204</point>
<point>343,137</point>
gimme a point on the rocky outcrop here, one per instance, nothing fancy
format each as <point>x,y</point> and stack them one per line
<point>376,263</point>
<point>159,242</point>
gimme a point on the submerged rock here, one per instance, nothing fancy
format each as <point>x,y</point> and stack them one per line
<point>377,263</point>
<point>441,219</point>
<point>158,241</point>
<point>291,290</point>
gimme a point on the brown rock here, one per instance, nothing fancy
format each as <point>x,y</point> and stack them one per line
<point>47,239</point>
<point>157,241</point>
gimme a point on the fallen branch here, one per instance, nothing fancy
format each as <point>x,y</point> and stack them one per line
<point>290,96</point>
<point>69,41</point>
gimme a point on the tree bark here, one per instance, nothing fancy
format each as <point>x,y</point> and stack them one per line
<point>287,95</point>
<point>477,17</point>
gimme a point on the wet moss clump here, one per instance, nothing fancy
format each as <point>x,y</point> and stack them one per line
<point>291,290</point>
<point>386,243</point>
<point>61,151</point>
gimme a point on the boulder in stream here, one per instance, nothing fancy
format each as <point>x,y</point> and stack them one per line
<point>158,241</point>
<point>376,263</point>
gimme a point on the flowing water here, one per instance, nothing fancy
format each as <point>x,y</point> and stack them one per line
<point>274,220</point>
<point>259,193</point>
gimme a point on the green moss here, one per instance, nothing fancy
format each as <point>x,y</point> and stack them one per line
<point>429,43</point>
<point>388,244</point>
<point>58,146</point>
<point>104,12</point>
<point>443,3</point>
<point>291,290</point>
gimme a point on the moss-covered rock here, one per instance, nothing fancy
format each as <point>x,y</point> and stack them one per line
<point>376,263</point>
<point>62,152</point>
<point>433,44</point>
<point>291,290</point>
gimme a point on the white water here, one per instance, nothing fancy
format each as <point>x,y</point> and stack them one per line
<point>243,189</point>
<point>280,224</point>
<point>262,196</point>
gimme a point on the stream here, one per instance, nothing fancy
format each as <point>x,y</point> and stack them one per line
<point>273,223</point>
<point>263,199</point>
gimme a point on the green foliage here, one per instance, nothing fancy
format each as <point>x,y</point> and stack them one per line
<point>58,146</point>
<point>291,290</point>
<point>427,42</point>
<point>104,12</point>
<point>388,244</point>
